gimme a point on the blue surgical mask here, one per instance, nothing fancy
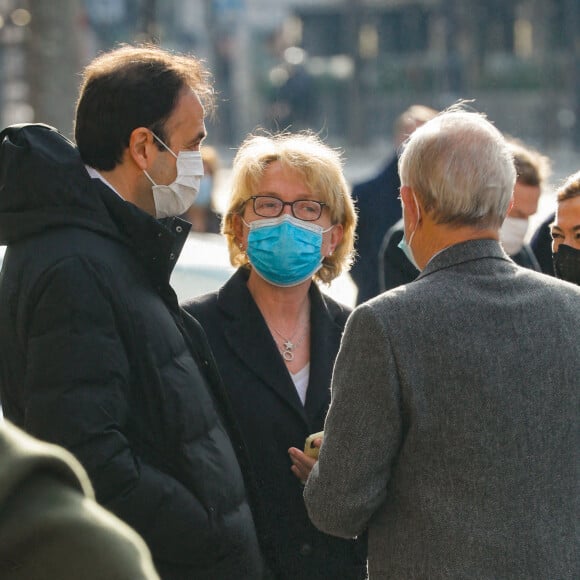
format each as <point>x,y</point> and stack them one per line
<point>285,251</point>
<point>406,249</point>
<point>405,246</point>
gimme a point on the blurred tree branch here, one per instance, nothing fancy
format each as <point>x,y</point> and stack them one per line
<point>54,61</point>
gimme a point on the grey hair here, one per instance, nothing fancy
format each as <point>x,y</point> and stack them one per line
<point>461,168</point>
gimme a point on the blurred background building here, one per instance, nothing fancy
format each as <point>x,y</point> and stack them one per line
<point>346,68</point>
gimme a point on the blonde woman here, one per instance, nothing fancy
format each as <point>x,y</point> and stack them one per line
<point>289,226</point>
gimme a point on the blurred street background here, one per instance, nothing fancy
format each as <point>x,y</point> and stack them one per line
<point>343,68</point>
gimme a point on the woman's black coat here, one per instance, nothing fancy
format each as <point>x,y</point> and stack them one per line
<point>272,419</point>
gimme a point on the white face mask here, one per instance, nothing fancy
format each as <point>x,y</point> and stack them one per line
<point>512,234</point>
<point>177,197</point>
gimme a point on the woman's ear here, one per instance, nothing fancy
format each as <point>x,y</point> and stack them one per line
<point>238,230</point>
<point>335,238</point>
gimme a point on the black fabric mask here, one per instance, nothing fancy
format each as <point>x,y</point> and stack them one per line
<point>567,264</point>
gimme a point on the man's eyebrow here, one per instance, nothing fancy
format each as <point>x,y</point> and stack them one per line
<point>198,138</point>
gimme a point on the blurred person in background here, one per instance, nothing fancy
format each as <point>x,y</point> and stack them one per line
<point>294,102</point>
<point>202,214</point>
<point>541,244</point>
<point>532,170</point>
<point>96,354</point>
<point>289,226</point>
<point>378,206</point>
<point>566,231</point>
<point>452,435</point>
<point>50,525</point>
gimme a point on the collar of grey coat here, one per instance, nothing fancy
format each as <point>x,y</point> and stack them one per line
<point>464,252</point>
<point>248,335</point>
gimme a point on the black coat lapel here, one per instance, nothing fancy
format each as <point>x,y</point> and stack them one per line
<point>249,337</point>
<point>326,332</point>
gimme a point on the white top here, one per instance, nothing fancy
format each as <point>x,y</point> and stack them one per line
<point>300,380</point>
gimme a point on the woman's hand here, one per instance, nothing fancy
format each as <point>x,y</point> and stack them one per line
<point>302,464</point>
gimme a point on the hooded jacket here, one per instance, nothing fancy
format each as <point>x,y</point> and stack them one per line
<point>98,357</point>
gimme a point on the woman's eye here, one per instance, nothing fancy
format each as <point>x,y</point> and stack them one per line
<point>308,207</point>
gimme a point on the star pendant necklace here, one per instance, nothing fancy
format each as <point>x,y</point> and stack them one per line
<point>288,347</point>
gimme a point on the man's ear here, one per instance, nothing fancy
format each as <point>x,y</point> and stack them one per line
<point>511,205</point>
<point>409,203</point>
<point>140,143</point>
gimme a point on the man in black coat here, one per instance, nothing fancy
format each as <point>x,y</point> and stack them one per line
<point>96,354</point>
<point>378,206</point>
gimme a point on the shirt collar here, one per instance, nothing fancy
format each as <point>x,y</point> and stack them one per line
<point>94,174</point>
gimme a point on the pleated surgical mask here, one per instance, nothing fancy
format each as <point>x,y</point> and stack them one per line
<point>177,197</point>
<point>285,251</point>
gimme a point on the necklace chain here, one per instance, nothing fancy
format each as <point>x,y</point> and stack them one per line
<point>288,347</point>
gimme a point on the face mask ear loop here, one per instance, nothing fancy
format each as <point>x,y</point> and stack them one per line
<point>166,147</point>
<point>149,177</point>
<point>418,220</point>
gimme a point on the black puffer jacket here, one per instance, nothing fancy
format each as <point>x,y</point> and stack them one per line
<point>96,356</point>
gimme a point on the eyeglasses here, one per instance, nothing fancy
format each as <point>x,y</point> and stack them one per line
<point>306,210</point>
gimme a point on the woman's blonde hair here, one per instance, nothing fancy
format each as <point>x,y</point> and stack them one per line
<point>321,169</point>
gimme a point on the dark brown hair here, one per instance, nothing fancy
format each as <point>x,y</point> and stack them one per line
<point>130,87</point>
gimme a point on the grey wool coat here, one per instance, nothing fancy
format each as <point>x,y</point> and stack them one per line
<point>452,434</point>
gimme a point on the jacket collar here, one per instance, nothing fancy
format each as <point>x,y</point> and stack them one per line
<point>44,184</point>
<point>158,243</point>
<point>248,335</point>
<point>464,252</point>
